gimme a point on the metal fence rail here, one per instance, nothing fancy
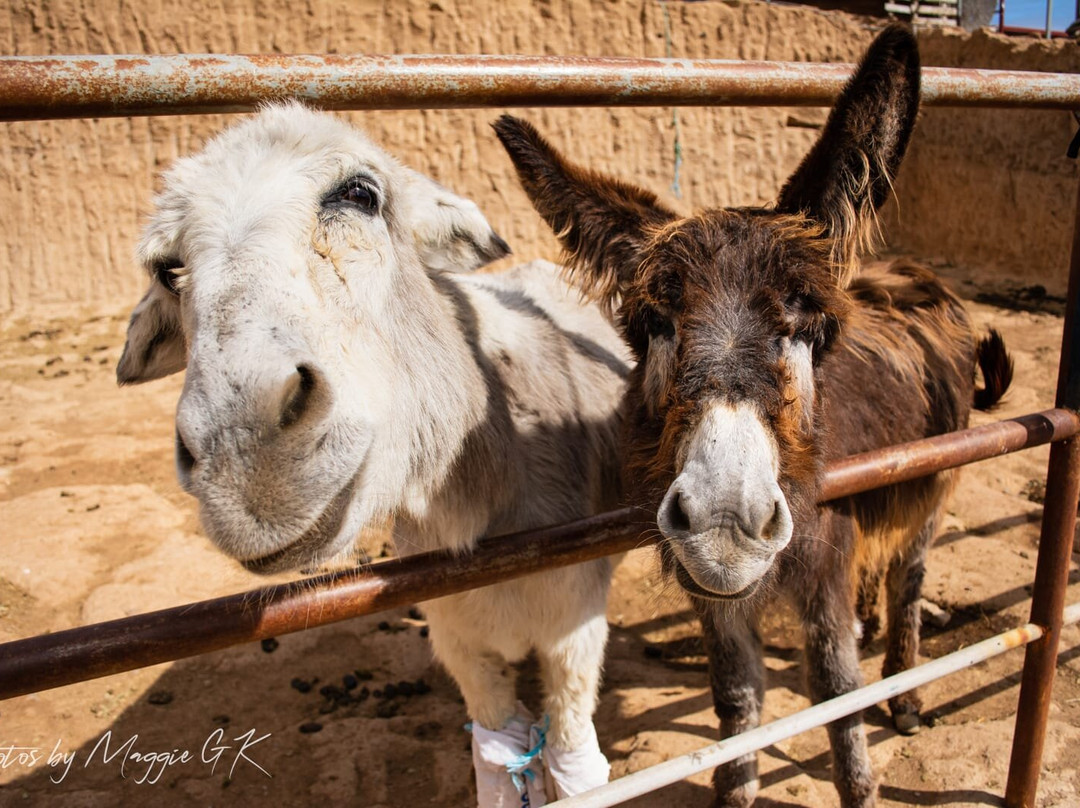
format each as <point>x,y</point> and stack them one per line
<point>671,771</point>
<point>78,654</point>
<point>84,86</point>
<point>33,88</point>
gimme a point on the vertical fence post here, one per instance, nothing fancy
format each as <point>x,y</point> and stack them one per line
<point>1052,570</point>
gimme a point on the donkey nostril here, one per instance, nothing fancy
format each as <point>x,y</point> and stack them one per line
<point>185,460</point>
<point>770,526</point>
<point>298,398</point>
<point>773,524</point>
<point>676,515</point>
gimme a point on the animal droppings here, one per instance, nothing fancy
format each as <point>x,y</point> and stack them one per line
<point>429,729</point>
<point>310,727</point>
<point>301,685</point>
<point>331,692</point>
<point>350,681</point>
<point>269,645</point>
<point>388,709</point>
<point>1035,491</point>
<point>160,697</point>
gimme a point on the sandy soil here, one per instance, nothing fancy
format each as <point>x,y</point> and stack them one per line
<point>95,527</point>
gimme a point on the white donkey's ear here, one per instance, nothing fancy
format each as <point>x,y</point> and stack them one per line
<point>450,231</point>
<point>155,344</point>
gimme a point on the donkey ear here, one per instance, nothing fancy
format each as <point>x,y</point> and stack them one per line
<point>155,344</point>
<point>848,174</point>
<point>450,231</point>
<point>602,223</point>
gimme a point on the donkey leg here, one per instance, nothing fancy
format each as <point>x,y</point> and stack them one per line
<point>904,587</point>
<point>832,670</point>
<point>737,679</point>
<point>570,667</point>
<point>485,679</point>
<point>499,735</point>
<point>866,606</point>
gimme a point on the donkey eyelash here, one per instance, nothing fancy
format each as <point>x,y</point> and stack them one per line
<point>360,191</point>
<point>170,273</point>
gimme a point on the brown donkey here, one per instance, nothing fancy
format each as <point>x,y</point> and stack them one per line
<point>759,360</point>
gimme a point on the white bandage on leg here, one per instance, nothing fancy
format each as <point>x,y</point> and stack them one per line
<point>572,771</point>
<point>507,776</point>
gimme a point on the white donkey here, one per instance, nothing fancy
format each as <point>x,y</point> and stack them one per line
<point>339,372</point>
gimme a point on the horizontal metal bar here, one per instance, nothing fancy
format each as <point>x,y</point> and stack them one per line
<point>1018,29</point>
<point>709,757</point>
<point>933,11</point>
<point>77,654</point>
<point>907,461</point>
<point>74,655</point>
<point>41,87</point>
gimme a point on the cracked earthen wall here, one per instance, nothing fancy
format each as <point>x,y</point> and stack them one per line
<point>992,189</point>
<point>73,193</point>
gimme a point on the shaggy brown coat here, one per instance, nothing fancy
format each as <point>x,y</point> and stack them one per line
<point>711,306</point>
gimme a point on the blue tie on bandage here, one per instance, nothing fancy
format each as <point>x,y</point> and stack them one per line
<point>520,764</point>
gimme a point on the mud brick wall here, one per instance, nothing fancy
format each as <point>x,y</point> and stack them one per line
<point>73,193</point>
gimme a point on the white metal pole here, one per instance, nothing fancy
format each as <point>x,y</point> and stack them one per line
<point>1049,18</point>
<point>676,769</point>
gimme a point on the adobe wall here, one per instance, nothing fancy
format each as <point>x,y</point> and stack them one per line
<point>73,193</point>
<point>992,189</point>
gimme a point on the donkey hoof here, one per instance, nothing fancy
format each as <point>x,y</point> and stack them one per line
<point>907,723</point>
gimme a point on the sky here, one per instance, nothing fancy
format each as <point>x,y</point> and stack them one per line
<point>1032,13</point>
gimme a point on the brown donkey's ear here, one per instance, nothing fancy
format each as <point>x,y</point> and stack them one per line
<point>848,174</point>
<point>602,223</point>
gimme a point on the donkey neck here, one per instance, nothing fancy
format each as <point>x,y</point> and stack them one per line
<point>445,421</point>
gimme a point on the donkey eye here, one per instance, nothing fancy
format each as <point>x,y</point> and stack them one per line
<point>356,192</point>
<point>361,196</point>
<point>166,272</point>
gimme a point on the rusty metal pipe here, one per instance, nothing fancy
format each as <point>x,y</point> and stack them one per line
<point>74,655</point>
<point>42,87</point>
<point>1052,568</point>
<point>1025,31</point>
<point>78,654</point>
<point>907,461</point>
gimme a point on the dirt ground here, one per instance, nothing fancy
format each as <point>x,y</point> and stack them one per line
<point>93,526</point>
